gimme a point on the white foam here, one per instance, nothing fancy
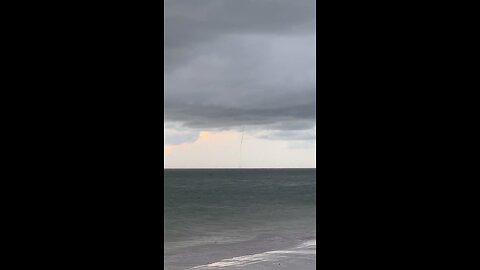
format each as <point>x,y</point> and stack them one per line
<point>306,248</point>
<point>308,244</point>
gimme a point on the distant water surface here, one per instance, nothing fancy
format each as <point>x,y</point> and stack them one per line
<point>240,219</point>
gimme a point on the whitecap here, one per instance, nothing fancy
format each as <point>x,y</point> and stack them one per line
<point>307,248</point>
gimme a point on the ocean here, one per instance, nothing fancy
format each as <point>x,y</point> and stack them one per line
<point>239,219</point>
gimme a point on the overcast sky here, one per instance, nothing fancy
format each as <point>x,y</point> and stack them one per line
<point>240,68</point>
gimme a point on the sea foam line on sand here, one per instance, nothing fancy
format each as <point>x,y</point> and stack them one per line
<point>306,248</point>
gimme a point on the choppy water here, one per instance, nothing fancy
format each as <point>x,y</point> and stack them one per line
<point>240,219</point>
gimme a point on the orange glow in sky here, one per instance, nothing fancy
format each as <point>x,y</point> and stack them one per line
<point>204,134</point>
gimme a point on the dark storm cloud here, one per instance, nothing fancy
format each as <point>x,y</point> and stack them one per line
<point>191,21</point>
<point>232,63</point>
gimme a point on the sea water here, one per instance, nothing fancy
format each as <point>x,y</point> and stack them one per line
<point>239,219</point>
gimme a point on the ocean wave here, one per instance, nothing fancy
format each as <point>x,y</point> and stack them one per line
<point>310,243</point>
<point>307,249</point>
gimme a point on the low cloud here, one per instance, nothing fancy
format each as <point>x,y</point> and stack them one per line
<point>175,135</point>
<point>236,64</point>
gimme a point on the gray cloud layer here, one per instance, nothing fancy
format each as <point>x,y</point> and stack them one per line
<point>231,63</point>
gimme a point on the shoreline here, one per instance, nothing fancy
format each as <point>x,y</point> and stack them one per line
<point>302,256</point>
<point>241,254</point>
